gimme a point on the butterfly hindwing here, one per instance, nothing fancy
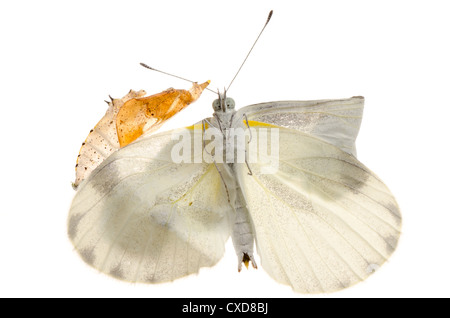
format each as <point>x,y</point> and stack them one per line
<point>336,121</point>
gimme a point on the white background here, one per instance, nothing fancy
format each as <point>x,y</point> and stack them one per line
<point>60,60</point>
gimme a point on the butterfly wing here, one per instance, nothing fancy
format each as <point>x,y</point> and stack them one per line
<point>323,221</point>
<point>142,217</point>
<point>336,121</point>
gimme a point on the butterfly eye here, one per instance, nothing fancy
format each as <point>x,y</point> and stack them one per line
<point>216,105</point>
<point>230,103</point>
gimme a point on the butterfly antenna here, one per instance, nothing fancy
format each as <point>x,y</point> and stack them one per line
<point>184,79</point>
<point>224,98</point>
<point>267,21</point>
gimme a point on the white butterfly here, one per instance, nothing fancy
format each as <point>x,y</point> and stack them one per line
<point>321,222</point>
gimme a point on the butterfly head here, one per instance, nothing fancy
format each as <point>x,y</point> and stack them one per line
<point>223,104</point>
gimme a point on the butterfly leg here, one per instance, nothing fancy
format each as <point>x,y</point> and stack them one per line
<point>248,126</point>
<point>214,161</point>
<point>250,173</point>
<point>223,181</point>
<point>203,135</point>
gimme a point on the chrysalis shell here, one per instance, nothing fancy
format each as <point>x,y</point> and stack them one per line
<point>126,120</point>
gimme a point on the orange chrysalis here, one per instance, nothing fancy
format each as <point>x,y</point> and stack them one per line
<point>126,120</point>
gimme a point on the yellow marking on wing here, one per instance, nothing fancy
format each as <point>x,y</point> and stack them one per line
<point>197,127</point>
<point>253,123</point>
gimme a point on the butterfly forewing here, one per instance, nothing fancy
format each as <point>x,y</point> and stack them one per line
<point>141,217</point>
<point>322,221</point>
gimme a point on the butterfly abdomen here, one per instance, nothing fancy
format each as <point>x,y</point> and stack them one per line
<point>242,233</point>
